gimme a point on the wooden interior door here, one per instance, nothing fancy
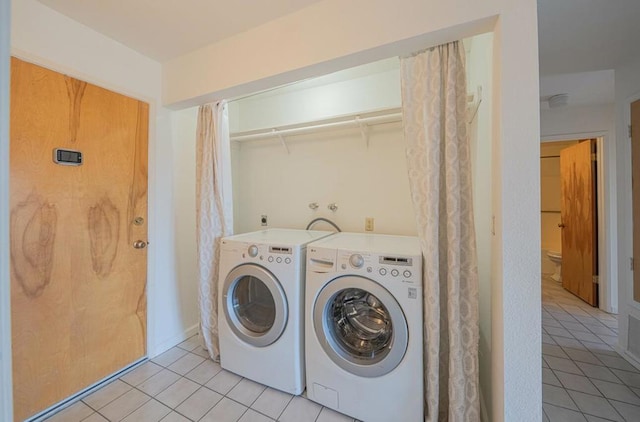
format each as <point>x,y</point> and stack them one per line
<point>635,193</point>
<point>78,285</point>
<point>579,221</point>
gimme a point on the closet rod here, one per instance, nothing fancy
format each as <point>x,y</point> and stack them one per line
<point>354,122</point>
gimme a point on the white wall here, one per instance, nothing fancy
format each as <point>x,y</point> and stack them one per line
<point>362,31</point>
<point>479,73</point>
<point>516,374</point>
<point>334,166</point>
<point>47,38</point>
<point>627,91</point>
<point>569,121</point>
<point>326,167</point>
<point>300,103</point>
<point>183,153</point>
<point>6,402</point>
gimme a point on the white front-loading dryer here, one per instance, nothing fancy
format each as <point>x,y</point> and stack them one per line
<point>260,306</point>
<point>363,326</point>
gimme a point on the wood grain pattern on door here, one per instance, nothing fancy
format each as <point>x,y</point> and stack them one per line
<point>578,212</point>
<point>78,287</point>
<point>635,193</point>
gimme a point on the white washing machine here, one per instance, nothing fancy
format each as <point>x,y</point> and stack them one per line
<point>260,306</point>
<point>363,326</point>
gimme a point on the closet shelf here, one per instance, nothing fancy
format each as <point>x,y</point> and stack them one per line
<point>361,121</point>
<point>358,121</point>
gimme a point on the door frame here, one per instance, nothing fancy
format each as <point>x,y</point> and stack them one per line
<point>629,307</point>
<point>607,214</point>
<point>6,386</point>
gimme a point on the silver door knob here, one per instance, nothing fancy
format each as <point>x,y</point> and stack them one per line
<point>139,244</point>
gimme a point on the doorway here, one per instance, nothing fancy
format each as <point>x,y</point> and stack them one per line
<point>607,288</point>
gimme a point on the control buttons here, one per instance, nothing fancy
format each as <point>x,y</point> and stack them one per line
<point>270,259</point>
<point>395,272</point>
<point>287,260</point>
<point>382,271</point>
<point>278,260</point>
<point>406,273</point>
<point>356,260</point>
<point>343,266</point>
<point>369,269</point>
<point>253,251</point>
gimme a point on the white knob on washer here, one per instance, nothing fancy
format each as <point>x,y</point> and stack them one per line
<point>253,251</point>
<point>356,260</point>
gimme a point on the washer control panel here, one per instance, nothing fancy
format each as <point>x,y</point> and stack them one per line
<point>392,267</point>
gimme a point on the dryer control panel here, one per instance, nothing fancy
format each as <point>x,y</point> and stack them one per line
<point>259,253</point>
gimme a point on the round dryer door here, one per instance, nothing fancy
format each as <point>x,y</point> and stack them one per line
<point>255,305</point>
<point>360,326</point>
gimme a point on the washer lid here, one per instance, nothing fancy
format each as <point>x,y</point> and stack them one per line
<point>360,326</point>
<point>254,305</point>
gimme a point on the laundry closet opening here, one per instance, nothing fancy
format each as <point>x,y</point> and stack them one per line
<point>330,147</point>
<point>359,166</point>
<point>360,169</point>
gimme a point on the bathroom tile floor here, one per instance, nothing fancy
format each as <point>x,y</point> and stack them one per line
<point>583,377</point>
<point>183,385</point>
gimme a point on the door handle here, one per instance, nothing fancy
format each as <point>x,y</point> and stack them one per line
<point>139,244</point>
<point>561,225</point>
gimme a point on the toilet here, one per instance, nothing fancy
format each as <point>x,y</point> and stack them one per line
<point>556,258</point>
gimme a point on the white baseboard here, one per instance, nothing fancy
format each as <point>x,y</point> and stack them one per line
<point>628,356</point>
<point>155,350</point>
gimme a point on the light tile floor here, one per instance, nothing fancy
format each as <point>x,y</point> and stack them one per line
<point>584,379</point>
<point>183,385</point>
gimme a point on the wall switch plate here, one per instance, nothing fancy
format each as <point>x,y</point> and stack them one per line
<point>263,220</point>
<point>368,224</point>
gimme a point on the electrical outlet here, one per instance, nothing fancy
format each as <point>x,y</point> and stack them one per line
<point>263,220</point>
<point>368,224</point>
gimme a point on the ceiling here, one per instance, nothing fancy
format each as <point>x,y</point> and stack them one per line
<point>163,29</point>
<point>587,35</point>
<point>581,42</point>
<point>584,88</point>
<point>576,37</point>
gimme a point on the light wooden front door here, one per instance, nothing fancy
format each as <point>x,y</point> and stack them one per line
<point>578,213</point>
<point>635,175</point>
<point>78,286</point>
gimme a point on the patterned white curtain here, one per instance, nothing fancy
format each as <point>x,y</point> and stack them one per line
<point>438,157</point>
<point>214,209</point>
